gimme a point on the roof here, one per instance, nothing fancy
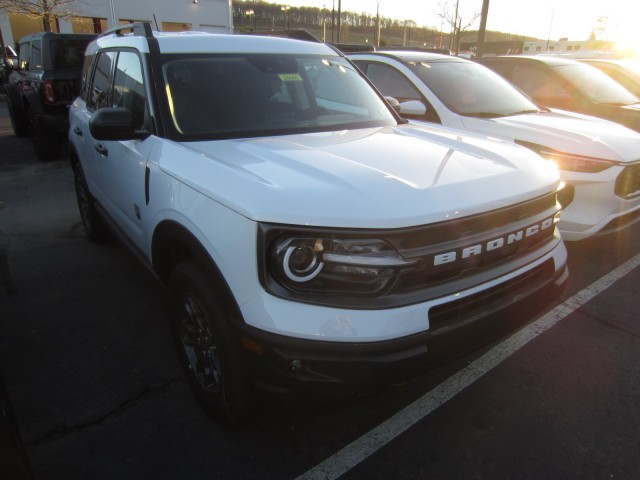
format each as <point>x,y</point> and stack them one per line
<point>550,60</point>
<point>79,36</point>
<point>202,42</point>
<point>407,56</point>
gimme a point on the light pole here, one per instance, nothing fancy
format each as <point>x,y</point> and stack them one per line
<point>324,22</point>
<point>339,18</point>
<point>249,13</point>
<point>285,9</point>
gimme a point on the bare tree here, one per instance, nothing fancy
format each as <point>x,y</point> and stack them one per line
<point>46,10</point>
<point>599,30</point>
<point>459,23</point>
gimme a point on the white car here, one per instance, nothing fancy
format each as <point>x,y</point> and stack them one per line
<point>599,160</point>
<point>308,236</point>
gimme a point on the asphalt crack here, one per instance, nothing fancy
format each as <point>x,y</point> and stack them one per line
<point>608,324</point>
<point>61,431</point>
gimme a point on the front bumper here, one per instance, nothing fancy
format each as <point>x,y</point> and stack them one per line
<point>282,364</point>
<point>599,203</point>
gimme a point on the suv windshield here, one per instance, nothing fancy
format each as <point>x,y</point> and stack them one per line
<point>596,85</point>
<point>471,89</point>
<point>263,94</point>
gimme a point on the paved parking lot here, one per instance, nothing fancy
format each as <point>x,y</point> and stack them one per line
<point>89,365</point>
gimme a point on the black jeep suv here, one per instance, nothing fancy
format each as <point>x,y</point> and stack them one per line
<point>42,86</point>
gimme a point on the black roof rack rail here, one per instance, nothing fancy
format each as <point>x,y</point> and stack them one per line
<point>141,29</point>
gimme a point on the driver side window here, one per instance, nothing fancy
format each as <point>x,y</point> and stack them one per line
<point>536,83</point>
<point>392,83</point>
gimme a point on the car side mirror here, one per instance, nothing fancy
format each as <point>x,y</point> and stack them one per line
<point>413,108</point>
<point>395,104</point>
<point>114,123</point>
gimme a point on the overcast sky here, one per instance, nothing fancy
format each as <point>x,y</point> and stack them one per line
<point>574,19</point>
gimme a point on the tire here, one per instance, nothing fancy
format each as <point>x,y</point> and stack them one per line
<point>209,351</point>
<point>45,143</point>
<point>17,113</point>
<point>94,227</point>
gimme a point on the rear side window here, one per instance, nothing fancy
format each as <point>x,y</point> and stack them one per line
<point>24,55</point>
<point>36,55</point>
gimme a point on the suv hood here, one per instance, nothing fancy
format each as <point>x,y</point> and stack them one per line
<point>369,178</point>
<point>567,132</point>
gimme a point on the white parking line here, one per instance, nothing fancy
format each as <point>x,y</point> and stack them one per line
<point>356,452</point>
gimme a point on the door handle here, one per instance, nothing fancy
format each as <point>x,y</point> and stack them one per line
<point>101,149</point>
<point>77,131</point>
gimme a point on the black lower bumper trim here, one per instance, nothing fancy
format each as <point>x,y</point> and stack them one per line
<point>285,365</point>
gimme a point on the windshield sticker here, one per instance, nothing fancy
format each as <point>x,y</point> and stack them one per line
<point>290,77</point>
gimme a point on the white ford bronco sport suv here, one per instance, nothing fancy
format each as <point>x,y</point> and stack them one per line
<point>310,239</point>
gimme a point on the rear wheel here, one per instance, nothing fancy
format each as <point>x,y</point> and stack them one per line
<point>45,143</point>
<point>208,348</point>
<point>93,225</point>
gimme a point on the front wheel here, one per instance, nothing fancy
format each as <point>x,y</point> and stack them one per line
<point>93,225</point>
<point>208,348</point>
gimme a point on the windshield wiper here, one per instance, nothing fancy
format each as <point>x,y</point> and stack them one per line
<point>619,104</point>
<point>521,112</point>
<point>483,114</point>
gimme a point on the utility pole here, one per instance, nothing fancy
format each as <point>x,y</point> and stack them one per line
<point>339,18</point>
<point>483,28</point>
<point>376,41</point>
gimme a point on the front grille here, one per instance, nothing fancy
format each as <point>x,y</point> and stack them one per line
<point>460,249</point>
<point>628,182</point>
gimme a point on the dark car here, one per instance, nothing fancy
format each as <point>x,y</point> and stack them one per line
<point>569,85</point>
<point>625,71</point>
<point>42,85</point>
<point>8,61</point>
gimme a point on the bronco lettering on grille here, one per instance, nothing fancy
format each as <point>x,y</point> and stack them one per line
<point>493,244</point>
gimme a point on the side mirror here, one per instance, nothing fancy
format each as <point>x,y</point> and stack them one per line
<point>114,123</point>
<point>395,104</point>
<point>413,108</point>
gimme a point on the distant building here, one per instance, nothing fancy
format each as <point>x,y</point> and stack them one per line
<point>100,15</point>
<point>505,47</point>
<point>562,45</point>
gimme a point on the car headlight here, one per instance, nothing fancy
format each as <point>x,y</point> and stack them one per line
<point>329,265</point>
<point>569,161</point>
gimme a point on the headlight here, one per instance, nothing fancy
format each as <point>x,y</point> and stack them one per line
<point>576,163</point>
<point>326,265</point>
<point>569,161</point>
